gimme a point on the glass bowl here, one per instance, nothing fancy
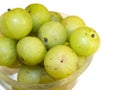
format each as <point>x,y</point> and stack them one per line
<point>8,80</point>
<point>8,77</point>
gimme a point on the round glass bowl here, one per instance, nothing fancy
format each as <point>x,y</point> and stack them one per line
<point>8,80</point>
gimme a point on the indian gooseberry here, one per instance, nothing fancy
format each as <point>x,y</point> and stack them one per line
<point>16,23</point>
<point>8,54</point>
<point>55,16</point>
<point>52,34</point>
<point>31,50</point>
<point>29,74</point>
<point>44,77</point>
<point>17,64</point>
<point>60,62</point>
<point>71,23</point>
<point>33,75</point>
<point>85,41</point>
<point>39,14</point>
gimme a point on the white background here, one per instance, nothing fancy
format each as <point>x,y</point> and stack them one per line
<point>102,15</point>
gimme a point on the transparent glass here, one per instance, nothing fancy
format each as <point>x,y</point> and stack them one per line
<point>8,80</point>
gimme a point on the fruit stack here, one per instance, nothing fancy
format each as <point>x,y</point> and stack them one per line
<point>43,44</point>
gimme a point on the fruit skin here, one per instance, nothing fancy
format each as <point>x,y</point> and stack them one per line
<point>55,16</point>
<point>1,35</point>
<point>8,54</point>
<point>82,60</point>
<point>31,50</point>
<point>39,14</point>
<point>85,41</point>
<point>52,34</point>
<point>17,64</point>
<point>71,23</point>
<point>29,74</point>
<point>60,62</point>
<point>16,23</point>
<point>33,75</point>
<point>44,77</point>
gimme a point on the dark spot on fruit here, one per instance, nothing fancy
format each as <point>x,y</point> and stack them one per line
<point>72,51</point>
<point>85,33</point>
<point>27,71</point>
<point>8,9</point>
<point>68,74</point>
<point>52,15</point>
<point>29,11</point>
<point>89,29</point>
<point>56,68</point>
<point>65,23</point>
<point>46,65</point>
<point>45,40</point>
<point>62,59</point>
<point>92,35</point>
